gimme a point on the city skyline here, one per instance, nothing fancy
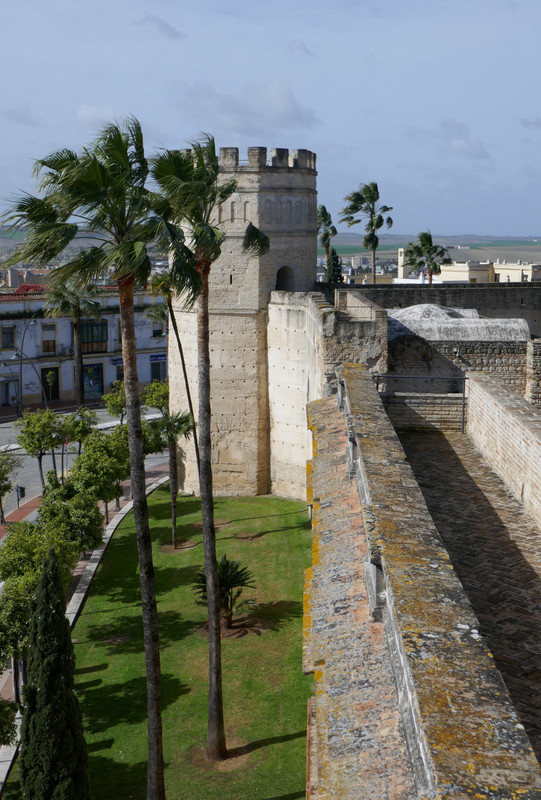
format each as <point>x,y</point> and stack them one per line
<point>434,101</point>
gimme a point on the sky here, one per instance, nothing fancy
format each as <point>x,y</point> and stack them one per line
<point>438,101</point>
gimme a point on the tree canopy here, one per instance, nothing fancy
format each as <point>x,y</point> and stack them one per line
<point>364,205</point>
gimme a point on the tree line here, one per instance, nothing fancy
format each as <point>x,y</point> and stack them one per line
<point>364,205</point>
<point>125,204</point>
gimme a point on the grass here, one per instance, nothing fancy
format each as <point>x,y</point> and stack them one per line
<point>265,692</point>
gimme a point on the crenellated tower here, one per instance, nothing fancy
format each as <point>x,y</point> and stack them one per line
<point>278,195</point>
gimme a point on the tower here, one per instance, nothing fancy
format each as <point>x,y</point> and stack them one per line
<point>278,197</point>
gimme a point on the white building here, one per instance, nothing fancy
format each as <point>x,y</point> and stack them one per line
<point>37,351</point>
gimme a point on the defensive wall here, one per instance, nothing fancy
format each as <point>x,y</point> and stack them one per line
<point>507,431</point>
<point>276,192</point>
<point>501,301</point>
<point>408,702</point>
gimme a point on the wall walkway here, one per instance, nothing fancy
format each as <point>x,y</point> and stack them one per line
<point>383,598</point>
<point>495,548</point>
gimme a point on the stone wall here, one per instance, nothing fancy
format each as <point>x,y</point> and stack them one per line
<point>420,411</point>
<point>507,431</point>
<point>441,360</point>
<point>458,733</point>
<point>533,372</point>
<point>501,301</point>
<point>307,340</point>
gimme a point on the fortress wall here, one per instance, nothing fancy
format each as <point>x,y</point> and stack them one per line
<point>412,355</point>
<point>507,431</point>
<point>496,300</point>
<point>291,371</point>
<point>424,411</point>
<point>240,457</point>
<point>463,735</point>
<point>307,340</point>
<point>533,373</point>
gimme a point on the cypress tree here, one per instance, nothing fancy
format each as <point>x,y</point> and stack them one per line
<point>333,268</point>
<point>53,757</point>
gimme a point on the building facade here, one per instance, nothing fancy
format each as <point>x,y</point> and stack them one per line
<point>36,351</point>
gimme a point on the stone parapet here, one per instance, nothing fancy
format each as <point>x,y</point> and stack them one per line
<point>420,411</point>
<point>507,430</point>
<point>382,587</point>
<point>533,372</point>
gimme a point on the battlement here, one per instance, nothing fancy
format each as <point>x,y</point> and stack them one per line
<point>280,158</point>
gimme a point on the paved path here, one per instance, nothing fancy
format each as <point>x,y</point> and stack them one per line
<point>495,548</point>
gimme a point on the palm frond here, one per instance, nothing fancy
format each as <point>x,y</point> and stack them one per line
<point>255,241</point>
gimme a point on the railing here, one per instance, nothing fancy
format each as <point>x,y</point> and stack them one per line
<point>385,376</point>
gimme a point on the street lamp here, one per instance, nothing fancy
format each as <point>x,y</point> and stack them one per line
<point>20,355</point>
<point>20,351</point>
<point>78,415</point>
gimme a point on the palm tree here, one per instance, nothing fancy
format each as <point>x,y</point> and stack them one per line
<point>424,254</point>
<point>67,300</point>
<point>102,192</point>
<point>162,284</point>
<point>233,579</point>
<point>326,231</point>
<point>365,201</point>
<point>191,181</point>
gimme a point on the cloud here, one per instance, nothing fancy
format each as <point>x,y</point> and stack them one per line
<point>92,116</point>
<point>299,46</point>
<point>21,117</point>
<point>533,124</point>
<point>162,27</point>
<point>255,110</point>
<point>455,139</point>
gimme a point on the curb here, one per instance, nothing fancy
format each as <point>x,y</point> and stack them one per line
<point>9,753</point>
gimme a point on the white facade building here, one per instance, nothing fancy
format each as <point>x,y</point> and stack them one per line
<point>37,351</point>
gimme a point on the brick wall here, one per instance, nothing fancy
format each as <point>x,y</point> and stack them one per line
<point>424,411</point>
<point>533,372</point>
<point>507,431</point>
<point>412,355</point>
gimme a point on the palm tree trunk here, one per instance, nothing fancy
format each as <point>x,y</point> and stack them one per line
<point>40,470</point>
<point>78,369</point>
<point>374,267</point>
<point>173,489</point>
<point>155,777</point>
<point>185,375</point>
<point>216,747</point>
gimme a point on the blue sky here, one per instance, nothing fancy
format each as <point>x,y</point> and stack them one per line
<point>436,100</point>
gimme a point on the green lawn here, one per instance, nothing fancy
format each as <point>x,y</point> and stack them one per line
<point>265,692</point>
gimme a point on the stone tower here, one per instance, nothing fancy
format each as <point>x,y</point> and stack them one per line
<point>279,197</point>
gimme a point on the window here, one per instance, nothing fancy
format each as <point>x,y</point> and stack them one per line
<point>94,337</point>
<point>158,370</point>
<point>48,338</point>
<point>120,373</point>
<point>8,338</point>
<point>157,329</point>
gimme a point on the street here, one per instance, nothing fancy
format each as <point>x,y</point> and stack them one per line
<point>28,476</point>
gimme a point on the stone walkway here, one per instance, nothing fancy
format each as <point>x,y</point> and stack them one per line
<point>495,548</point>
<point>357,748</point>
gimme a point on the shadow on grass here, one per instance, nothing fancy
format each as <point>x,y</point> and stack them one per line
<point>277,613</point>
<point>110,778</point>
<point>126,588</point>
<point>234,752</point>
<point>245,536</point>
<point>125,703</point>
<point>95,668</point>
<point>267,516</point>
<point>291,796</point>
<point>124,634</point>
